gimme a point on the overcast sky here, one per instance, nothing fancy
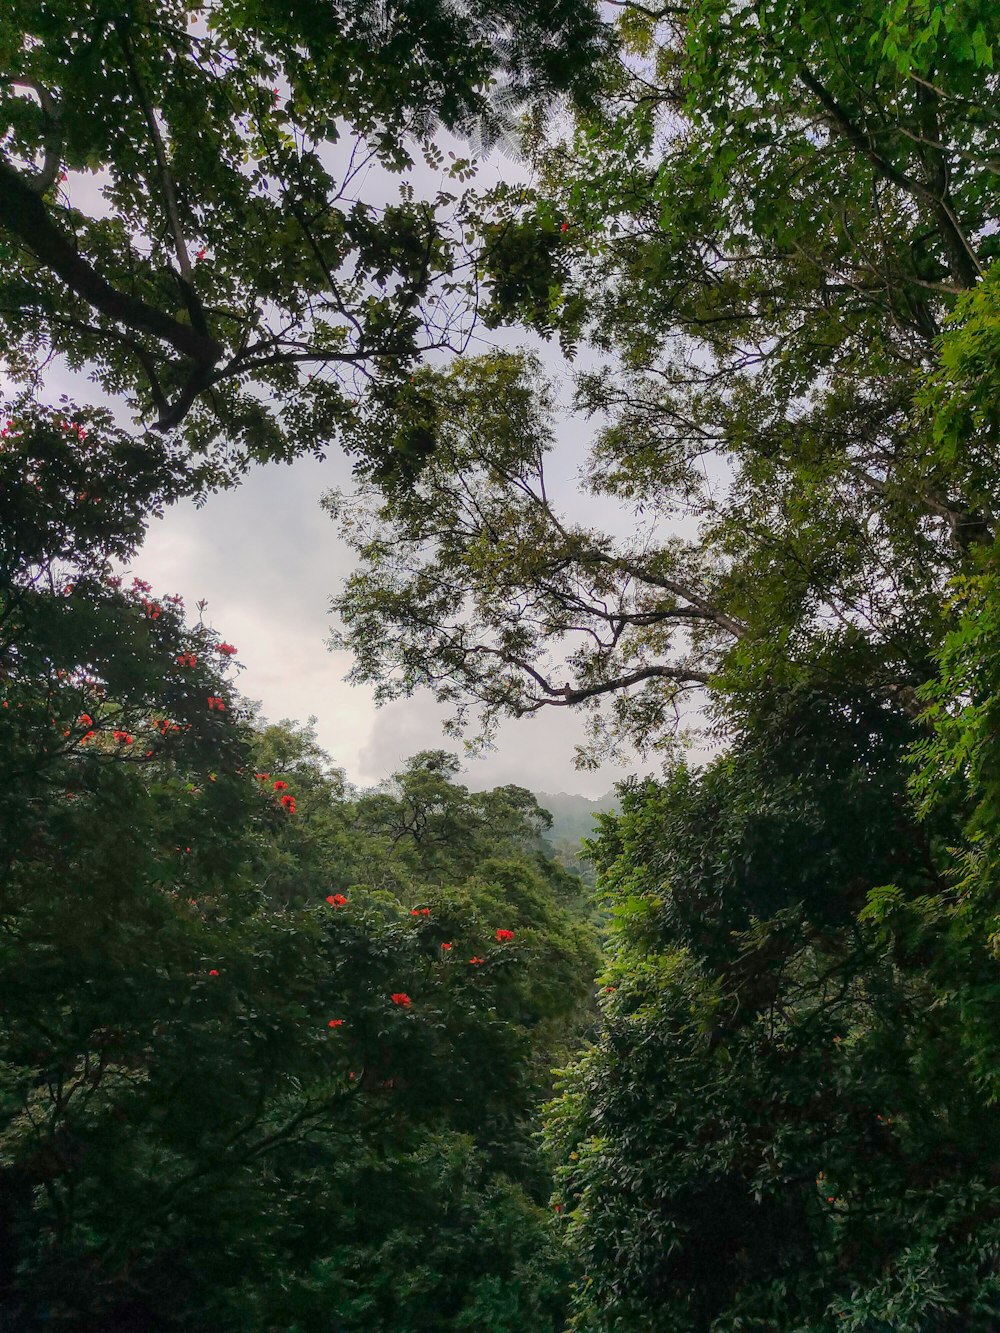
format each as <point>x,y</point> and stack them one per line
<point>267,559</point>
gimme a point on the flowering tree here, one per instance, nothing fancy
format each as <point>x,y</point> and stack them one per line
<point>222,1099</point>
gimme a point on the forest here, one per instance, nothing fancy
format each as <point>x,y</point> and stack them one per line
<point>282,1054</point>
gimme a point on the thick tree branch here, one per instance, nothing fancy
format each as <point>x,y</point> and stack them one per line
<point>25,216</point>
<point>47,176</point>
<point>568,695</point>
<point>964,262</point>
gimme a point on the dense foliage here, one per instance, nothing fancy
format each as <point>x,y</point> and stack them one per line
<point>183,206</point>
<point>274,1051</point>
<point>778,230</point>
<point>271,1049</point>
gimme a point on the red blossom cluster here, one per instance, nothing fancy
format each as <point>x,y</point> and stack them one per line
<point>152,609</point>
<point>287,801</point>
<point>336,899</point>
<point>504,935</point>
<point>420,911</point>
<point>214,702</point>
<point>475,961</point>
<point>187,660</point>
<point>401,998</point>
<point>335,1023</point>
<point>123,737</point>
<point>226,649</point>
<point>446,946</point>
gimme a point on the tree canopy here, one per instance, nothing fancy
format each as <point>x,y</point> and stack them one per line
<point>276,1052</point>
<point>267,1042</point>
<point>184,213</point>
<point>765,227</point>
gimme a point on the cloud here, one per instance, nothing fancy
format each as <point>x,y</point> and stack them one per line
<point>535,752</point>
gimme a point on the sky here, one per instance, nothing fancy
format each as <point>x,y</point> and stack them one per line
<point>267,559</point>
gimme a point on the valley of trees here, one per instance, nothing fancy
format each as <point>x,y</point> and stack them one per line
<point>281,1054</point>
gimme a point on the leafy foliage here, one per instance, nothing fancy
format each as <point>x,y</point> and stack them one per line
<point>779,1125</point>
<point>225,255</point>
<point>763,228</point>
<point>246,1079</point>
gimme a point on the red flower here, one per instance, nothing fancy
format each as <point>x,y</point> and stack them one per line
<point>199,256</point>
<point>215,702</point>
<point>335,1023</point>
<point>281,786</point>
<point>336,899</point>
<point>85,720</point>
<point>262,777</point>
<point>123,737</point>
<point>476,961</point>
<point>447,946</point>
<point>289,803</point>
<point>213,972</point>
<point>187,660</point>
<point>226,649</point>
<point>420,911</point>
<point>504,935</point>
<point>401,998</point>
<point>564,227</point>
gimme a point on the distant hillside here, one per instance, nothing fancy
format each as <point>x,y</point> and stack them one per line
<point>573,819</point>
<point>573,816</point>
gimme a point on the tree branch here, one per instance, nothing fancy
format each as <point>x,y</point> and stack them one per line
<point>47,176</point>
<point>964,261</point>
<point>24,214</point>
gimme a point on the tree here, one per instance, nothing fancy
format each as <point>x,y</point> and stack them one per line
<point>779,1125</point>
<point>766,223</point>
<point>471,583</point>
<point>237,1086</point>
<point>227,257</point>
<point>780,224</point>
